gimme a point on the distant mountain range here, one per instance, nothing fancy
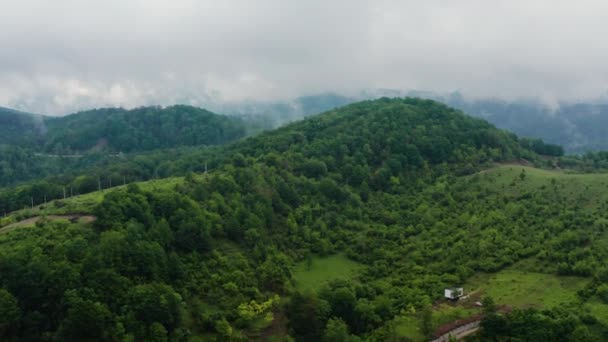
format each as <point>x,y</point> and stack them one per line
<point>578,127</point>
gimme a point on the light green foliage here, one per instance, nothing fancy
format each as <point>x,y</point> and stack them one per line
<point>252,310</point>
<point>336,331</point>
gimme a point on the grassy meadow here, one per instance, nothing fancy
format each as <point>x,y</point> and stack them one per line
<point>312,276</point>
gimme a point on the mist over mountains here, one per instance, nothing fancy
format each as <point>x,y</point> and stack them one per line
<point>578,127</point>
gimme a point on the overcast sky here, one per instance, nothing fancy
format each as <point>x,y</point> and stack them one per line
<point>63,55</point>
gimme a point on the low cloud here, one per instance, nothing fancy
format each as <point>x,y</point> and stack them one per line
<point>62,56</point>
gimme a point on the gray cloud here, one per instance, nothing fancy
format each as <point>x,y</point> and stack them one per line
<point>64,55</point>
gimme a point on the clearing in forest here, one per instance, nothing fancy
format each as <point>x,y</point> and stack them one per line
<point>523,289</point>
<point>587,190</point>
<point>311,276</point>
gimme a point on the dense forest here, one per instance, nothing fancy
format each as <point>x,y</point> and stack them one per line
<point>19,128</point>
<point>119,130</point>
<point>398,186</point>
<point>35,147</point>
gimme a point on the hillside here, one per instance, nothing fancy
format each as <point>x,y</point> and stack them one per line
<point>36,147</point>
<point>140,129</point>
<point>118,130</point>
<point>19,128</point>
<point>406,189</point>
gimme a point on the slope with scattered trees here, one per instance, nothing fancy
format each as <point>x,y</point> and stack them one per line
<point>391,183</point>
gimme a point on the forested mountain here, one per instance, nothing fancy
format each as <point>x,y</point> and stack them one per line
<point>19,128</point>
<point>394,184</point>
<point>577,126</point>
<point>121,130</point>
<point>37,146</point>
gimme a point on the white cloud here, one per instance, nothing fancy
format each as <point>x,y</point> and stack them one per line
<point>64,55</point>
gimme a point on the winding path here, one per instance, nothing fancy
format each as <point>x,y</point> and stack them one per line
<point>32,220</point>
<point>459,332</point>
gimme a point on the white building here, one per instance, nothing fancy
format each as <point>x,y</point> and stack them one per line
<point>453,292</point>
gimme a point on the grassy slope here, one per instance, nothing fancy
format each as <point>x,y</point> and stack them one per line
<point>83,204</point>
<point>590,191</point>
<point>517,286</point>
<point>523,289</point>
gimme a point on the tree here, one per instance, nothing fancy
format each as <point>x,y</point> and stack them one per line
<point>9,313</point>
<point>426,321</point>
<point>602,292</point>
<point>156,302</point>
<point>157,333</point>
<point>223,328</point>
<point>274,273</point>
<point>307,316</point>
<point>86,320</point>
<point>488,305</point>
<point>336,331</point>
<point>492,325</point>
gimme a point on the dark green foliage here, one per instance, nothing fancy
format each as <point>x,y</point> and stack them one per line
<point>140,129</point>
<point>10,313</point>
<point>308,316</point>
<point>19,128</point>
<point>540,147</point>
<point>533,325</point>
<point>36,147</point>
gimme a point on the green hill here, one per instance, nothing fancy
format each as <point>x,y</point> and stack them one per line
<point>118,130</point>
<point>19,128</point>
<point>140,129</point>
<point>35,147</point>
<point>407,189</point>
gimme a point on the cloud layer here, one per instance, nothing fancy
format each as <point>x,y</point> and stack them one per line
<point>65,55</point>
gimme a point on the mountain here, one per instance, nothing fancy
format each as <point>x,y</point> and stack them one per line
<point>345,226</point>
<point>576,126</point>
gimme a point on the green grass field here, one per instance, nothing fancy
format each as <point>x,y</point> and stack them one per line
<point>522,289</point>
<point>586,190</point>
<point>598,310</point>
<point>323,270</point>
